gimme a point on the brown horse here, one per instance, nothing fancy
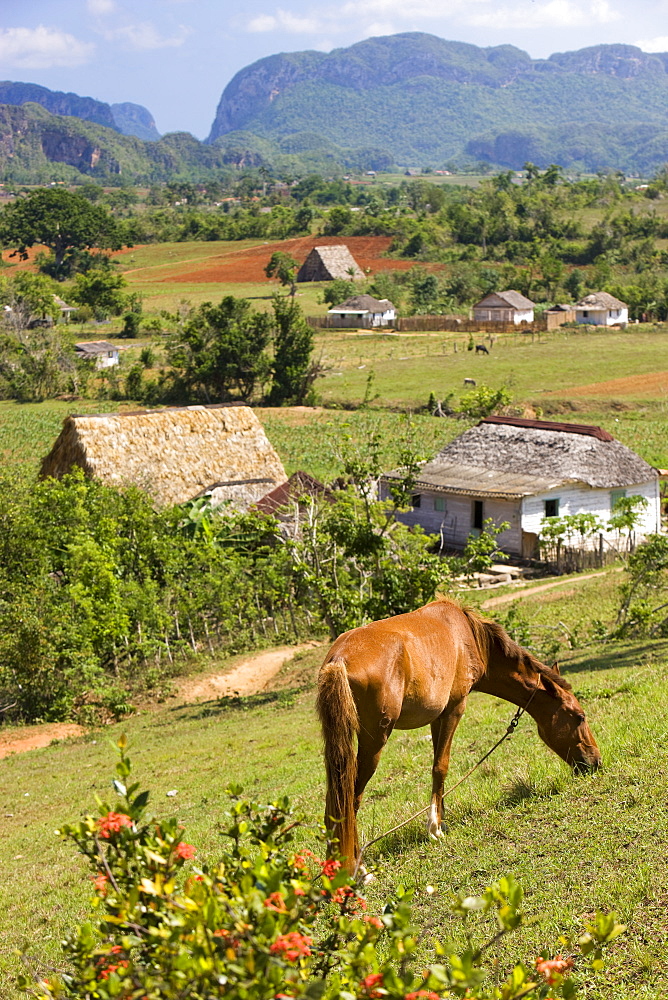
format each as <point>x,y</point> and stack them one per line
<point>415,670</point>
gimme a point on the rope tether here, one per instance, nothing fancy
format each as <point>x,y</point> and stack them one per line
<point>512,726</point>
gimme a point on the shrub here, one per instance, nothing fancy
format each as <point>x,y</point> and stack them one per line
<point>267,922</point>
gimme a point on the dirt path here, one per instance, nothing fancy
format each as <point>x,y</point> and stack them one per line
<point>494,602</point>
<point>35,737</point>
<point>250,676</point>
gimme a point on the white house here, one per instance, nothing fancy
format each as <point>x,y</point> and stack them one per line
<point>521,471</point>
<point>504,307</point>
<point>103,353</point>
<point>601,309</point>
<point>364,311</point>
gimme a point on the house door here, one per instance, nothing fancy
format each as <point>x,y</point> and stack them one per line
<point>530,549</point>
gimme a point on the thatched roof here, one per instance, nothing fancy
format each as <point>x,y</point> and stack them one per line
<point>600,300</point>
<point>238,494</point>
<point>363,303</point>
<point>509,298</point>
<point>510,458</point>
<point>174,454</point>
<point>328,263</point>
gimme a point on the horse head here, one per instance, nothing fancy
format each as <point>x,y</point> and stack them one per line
<point>562,723</point>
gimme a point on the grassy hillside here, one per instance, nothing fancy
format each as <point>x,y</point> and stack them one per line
<point>575,844</point>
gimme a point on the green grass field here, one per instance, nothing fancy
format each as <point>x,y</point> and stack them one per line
<point>576,844</point>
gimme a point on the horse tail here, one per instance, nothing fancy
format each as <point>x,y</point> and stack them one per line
<point>340,724</point>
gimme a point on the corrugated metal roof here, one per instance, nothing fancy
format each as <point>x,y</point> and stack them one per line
<point>471,480</point>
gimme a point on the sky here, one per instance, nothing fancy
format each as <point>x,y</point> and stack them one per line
<point>176,56</point>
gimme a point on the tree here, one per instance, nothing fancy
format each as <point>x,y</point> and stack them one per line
<point>222,349</point>
<point>27,296</point>
<point>337,291</point>
<point>293,344</point>
<point>282,266</point>
<point>102,291</point>
<point>64,221</point>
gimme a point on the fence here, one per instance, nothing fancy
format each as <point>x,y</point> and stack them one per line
<point>438,324</point>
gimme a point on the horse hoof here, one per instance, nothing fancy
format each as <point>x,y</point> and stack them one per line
<point>434,831</point>
<point>365,877</point>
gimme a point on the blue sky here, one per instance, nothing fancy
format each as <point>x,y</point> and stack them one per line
<point>176,56</point>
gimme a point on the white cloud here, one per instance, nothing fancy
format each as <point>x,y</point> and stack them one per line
<point>101,7</point>
<point>41,48</point>
<point>553,14</point>
<point>285,20</point>
<point>145,36</point>
<point>658,44</point>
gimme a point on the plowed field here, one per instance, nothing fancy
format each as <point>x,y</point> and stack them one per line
<point>651,384</point>
<point>248,265</point>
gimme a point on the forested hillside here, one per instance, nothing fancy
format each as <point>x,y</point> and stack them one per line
<point>423,100</point>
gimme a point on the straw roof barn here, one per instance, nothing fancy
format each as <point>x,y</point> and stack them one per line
<point>328,263</point>
<point>174,454</point>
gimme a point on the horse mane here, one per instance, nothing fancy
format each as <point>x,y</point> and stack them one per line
<point>488,633</point>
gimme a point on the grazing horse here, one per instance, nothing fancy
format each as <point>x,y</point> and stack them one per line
<point>481,349</point>
<point>418,669</point>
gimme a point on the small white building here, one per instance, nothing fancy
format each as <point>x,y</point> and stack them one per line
<point>102,352</point>
<point>504,307</point>
<point>521,471</point>
<point>362,311</point>
<point>601,309</point>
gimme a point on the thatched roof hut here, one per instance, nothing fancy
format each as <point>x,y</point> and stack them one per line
<point>512,456</point>
<point>328,263</point>
<point>174,454</point>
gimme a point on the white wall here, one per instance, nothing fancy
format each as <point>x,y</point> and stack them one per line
<point>456,521</point>
<point>578,499</point>
<point>602,317</point>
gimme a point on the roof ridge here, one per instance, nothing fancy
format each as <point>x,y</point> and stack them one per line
<point>590,430</point>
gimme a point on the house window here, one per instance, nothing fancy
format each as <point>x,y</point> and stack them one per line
<point>478,515</point>
<point>585,312</point>
<point>616,495</point>
<point>439,503</point>
<point>416,500</point>
<point>552,508</point>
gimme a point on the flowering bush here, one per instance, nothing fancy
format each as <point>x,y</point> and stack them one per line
<point>266,922</point>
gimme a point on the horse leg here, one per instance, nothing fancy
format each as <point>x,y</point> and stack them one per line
<point>369,749</point>
<point>442,733</point>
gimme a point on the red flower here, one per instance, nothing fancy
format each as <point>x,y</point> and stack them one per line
<point>105,973</point>
<point>292,946</point>
<point>276,902</point>
<point>422,995</point>
<point>374,921</point>
<point>100,882</point>
<point>371,981</point>
<point>330,868</point>
<point>112,823</point>
<point>552,969</point>
<point>185,851</point>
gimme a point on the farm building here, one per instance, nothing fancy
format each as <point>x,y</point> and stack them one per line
<point>601,309</point>
<point>328,263</point>
<point>102,352</point>
<point>174,454</point>
<point>504,307</point>
<point>364,311</point>
<point>520,471</point>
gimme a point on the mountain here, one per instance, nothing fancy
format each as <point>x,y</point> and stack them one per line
<point>129,119</point>
<point>133,119</point>
<point>426,101</point>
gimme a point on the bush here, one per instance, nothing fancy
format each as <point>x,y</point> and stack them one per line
<point>267,922</point>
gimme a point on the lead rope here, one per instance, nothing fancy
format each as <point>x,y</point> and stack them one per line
<point>512,726</point>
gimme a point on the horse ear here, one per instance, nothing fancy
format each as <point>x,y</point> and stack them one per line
<point>549,686</point>
<point>555,667</point>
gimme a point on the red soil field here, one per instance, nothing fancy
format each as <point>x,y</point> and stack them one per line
<point>651,384</point>
<point>248,265</point>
